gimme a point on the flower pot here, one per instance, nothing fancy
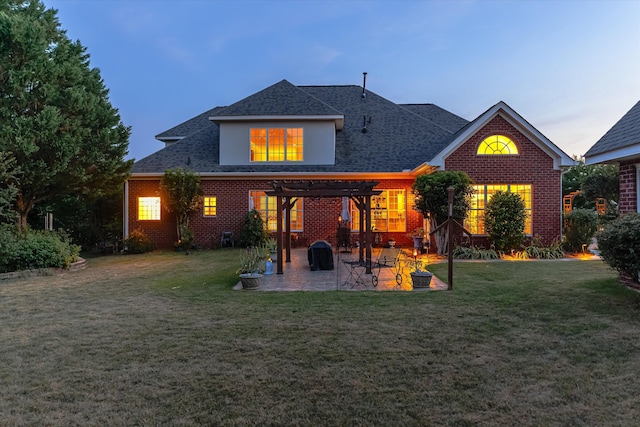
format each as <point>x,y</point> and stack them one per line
<point>418,241</point>
<point>421,279</point>
<point>250,280</point>
<point>273,255</point>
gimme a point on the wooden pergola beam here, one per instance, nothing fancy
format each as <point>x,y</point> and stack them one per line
<point>287,193</point>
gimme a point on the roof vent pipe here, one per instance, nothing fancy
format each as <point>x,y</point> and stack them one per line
<point>364,84</point>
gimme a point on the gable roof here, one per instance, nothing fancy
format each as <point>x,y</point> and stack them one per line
<point>188,127</point>
<point>560,158</point>
<point>396,139</point>
<point>621,142</point>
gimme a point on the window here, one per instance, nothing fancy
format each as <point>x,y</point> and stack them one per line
<point>210,206</point>
<point>149,208</point>
<point>483,193</point>
<point>276,144</point>
<point>497,145</point>
<point>388,212</point>
<point>267,207</point>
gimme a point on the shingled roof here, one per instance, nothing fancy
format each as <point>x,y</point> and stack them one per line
<point>397,137</point>
<point>620,139</point>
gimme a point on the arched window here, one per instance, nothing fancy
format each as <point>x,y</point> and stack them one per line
<point>497,145</point>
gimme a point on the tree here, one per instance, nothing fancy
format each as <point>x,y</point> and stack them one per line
<point>8,190</point>
<point>431,199</point>
<point>254,231</point>
<point>182,195</point>
<point>55,115</point>
<point>593,181</point>
<point>504,220</point>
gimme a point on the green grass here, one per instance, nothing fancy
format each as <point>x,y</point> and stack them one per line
<point>162,339</point>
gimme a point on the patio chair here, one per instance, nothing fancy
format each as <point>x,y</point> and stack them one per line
<point>356,269</point>
<point>227,239</point>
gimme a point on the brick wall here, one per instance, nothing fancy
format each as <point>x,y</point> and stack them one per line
<point>530,166</point>
<point>628,190</point>
<point>320,214</point>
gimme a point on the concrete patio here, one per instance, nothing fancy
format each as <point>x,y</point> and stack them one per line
<point>297,276</point>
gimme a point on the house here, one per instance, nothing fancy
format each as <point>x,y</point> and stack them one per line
<point>621,145</point>
<point>324,134</point>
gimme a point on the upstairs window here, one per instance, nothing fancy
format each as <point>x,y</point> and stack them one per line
<point>276,144</point>
<point>497,145</point>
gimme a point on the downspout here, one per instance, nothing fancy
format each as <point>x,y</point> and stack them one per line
<point>125,212</point>
<point>637,187</point>
<point>562,172</point>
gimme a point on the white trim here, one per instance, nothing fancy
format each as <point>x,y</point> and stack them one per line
<point>629,151</point>
<point>560,158</point>
<point>337,118</point>
<point>125,211</point>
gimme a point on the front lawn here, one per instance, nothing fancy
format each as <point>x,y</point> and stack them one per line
<point>162,339</point>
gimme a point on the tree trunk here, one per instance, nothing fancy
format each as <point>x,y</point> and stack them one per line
<point>23,207</point>
<point>440,236</point>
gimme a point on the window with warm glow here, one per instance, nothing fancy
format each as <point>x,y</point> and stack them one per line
<point>483,193</point>
<point>267,207</point>
<point>149,208</point>
<point>497,145</point>
<point>276,144</point>
<point>210,206</point>
<point>388,212</point>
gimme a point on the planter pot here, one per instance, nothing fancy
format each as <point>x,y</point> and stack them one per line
<point>392,243</point>
<point>418,242</point>
<point>250,280</point>
<point>273,255</point>
<point>421,279</point>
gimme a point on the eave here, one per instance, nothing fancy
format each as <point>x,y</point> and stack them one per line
<point>630,152</point>
<point>337,118</point>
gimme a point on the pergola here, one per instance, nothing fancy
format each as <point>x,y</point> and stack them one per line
<point>287,194</point>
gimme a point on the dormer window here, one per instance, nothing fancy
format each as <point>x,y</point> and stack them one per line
<point>276,144</point>
<point>497,145</point>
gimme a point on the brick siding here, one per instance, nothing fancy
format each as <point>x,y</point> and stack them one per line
<point>320,214</point>
<point>628,190</point>
<point>531,166</point>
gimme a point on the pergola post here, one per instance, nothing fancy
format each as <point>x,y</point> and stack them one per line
<point>279,231</point>
<point>368,232</point>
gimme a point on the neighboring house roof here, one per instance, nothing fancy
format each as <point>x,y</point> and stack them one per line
<point>560,158</point>
<point>621,142</point>
<point>396,139</point>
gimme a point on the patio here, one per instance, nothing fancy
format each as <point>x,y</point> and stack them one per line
<point>297,276</point>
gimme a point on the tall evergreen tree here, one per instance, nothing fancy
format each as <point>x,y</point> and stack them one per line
<point>55,114</point>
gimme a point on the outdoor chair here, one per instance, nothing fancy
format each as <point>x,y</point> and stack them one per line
<point>356,269</point>
<point>226,240</point>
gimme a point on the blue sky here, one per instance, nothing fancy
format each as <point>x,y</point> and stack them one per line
<point>570,68</point>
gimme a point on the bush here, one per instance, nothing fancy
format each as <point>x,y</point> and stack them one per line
<point>538,251</point>
<point>619,244</point>
<point>504,221</point>
<point>254,232</point>
<point>28,250</point>
<point>462,252</point>
<point>579,227</point>
<point>138,242</point>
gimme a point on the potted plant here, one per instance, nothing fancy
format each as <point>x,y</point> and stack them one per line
<point>420,276</point>
<point>272,247</point>
<point>251,268</point>
<point>418,237</point>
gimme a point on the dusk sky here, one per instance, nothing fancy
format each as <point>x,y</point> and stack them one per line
<point>570,68</point>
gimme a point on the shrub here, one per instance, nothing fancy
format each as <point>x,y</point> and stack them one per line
<point>504,221</point>
<point>27,250</point>
<point>138,242</point>
<point>579,227</point>
<point>619,244</point>
<point>462,252</point>
<point>538,251</point>
<point>254,232</point>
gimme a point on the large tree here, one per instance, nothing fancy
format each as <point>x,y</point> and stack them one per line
<point>55,115</point>
<point>8,190</point>
<point>431,199</point>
